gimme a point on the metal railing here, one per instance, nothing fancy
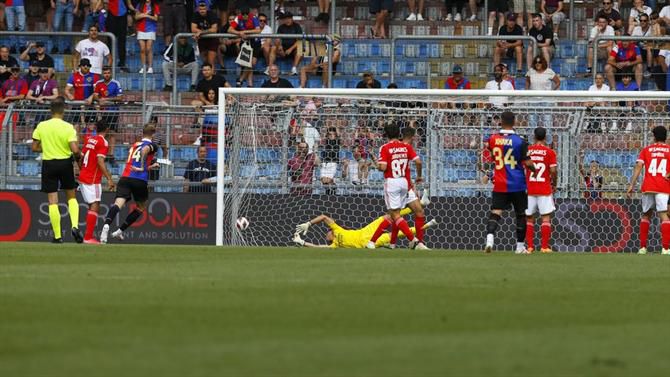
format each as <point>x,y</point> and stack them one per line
<point>531,40</point>
<point>304,37</point>
<point>598,39</point>
<point>52,34</point>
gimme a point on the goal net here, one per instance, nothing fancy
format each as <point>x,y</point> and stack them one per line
<point>289,155</point>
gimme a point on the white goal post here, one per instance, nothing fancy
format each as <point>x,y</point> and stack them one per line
<point>259,130</point>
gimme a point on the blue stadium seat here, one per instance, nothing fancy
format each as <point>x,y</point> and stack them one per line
<point>28,168</point>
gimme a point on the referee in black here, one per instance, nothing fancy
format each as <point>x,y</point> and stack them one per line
<point>56,139</point>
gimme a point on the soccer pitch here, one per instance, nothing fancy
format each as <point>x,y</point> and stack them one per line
<point>73,310</point>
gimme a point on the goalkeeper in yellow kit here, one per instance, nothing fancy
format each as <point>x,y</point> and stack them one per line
<point>339,237</point>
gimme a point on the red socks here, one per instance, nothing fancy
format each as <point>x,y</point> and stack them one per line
<point>644,232</point>
<point>401,224</point>
<point>665,234</point>
<point>545,231</point>
<point>91,220</point>
<point>380,230</point>
<point>419,222</point>
<point>530,234</point>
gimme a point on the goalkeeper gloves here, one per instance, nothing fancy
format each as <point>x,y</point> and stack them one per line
<point>297,240</point>
<point>302,228</point>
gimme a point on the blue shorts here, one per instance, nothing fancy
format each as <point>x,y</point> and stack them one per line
<point>378,5</point>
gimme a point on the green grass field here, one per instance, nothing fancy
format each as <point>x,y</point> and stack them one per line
<point>73,310</point>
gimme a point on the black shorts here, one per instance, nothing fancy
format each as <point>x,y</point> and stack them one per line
<point>378,5</point>
<point>498,6</point>
<point>208,44</point>
<point>58,174</point>
<point>505,200</point>
<point>132,186</point>
<point>320,71</point>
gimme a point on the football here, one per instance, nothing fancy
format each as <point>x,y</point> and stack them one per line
<point>242,223</point>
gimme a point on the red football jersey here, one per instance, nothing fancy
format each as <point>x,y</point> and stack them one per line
<point>539,182</point>
<point>397,156</point>
<point>655,158</point>
<point>94,147</point>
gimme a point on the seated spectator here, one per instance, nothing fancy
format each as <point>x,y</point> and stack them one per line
<point>186,62</point>
<point>363,154</point>
<point>324,10</point>
<point>319,64</point>
<point>81,84</point>
<point>507,76</point>
<point>545,41</point>
<point>330,159</point>
<point>107,92</point>
<point>36,54</point>
<point>599,84</point>
<point>415,12</point>
<point>274,81</point>
<point>228,47</point>
<point>6,62</point>
<point>664,14</point>
<point>301,170</point>
<point>510,48</point>
<point>32,75</point>
<point>593,181</point>
<point>552,13</point>
<point>498,83</point>
<point>93,50</point>
<point>604,47</point>
<point>645,30</point>
<point>266,43</point>
<point>205,21</point>
<point>369,82</point>
<point>44,89</point>
<point>612,15</point>
<point>541,77</point>
<point>210,81</point>
<point>627,84</point>
<point>14,88</point>
<point>625,57</point>
<point>245,24</point>
<point>497,8</point>
<point>287,48</point>
<point>146,23</point>
<point>457,80</point>
<point>381,10</point>
<point>636,12</point>
<point>197,171</point>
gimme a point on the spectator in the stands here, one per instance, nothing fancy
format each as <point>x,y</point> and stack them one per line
<point>32,75</point>
<point>627,84</point>
<point>457,80</point>
<point>15,14</point>
<point>96,15</point>
<point>498,83</point>
<point>625,57</point>
<point>117,24</point>
<point>593,181</point>
<point>454,8</point>
<point>228,47</point>
<point>146,23</point>
<point>415,10</point>
<point>510,48</point>
<point>330,159</point>
<point>174,19</point>
<point>381,10</point>
<point>645,30</point>
<point>243,25</point>
<point>497,8</point>
<point>545,41</point>
<point>301,169</point>
<point>288,48</point>
<point>14,88</point>
<point>636,12</point>
<point>210,81</point>
<point>601,29</point>
<point>36,54</point>
<point>81,84</point>
<point>552,13</point>
<point>319,63</point>
<point>205,21</point>
<point>541,77</point>
<point>266,43</point>
<point>44,89</point>
<point>599,84</point>
<point>523,6</point>
<point>369,82</point>
<point>64,14</point>
<point>274,81</point>
<point>198,170</point>
<point>665,15</point>
<point>612,15</point>
<point>324,11</point>
<point>108,93</point>
<point>507,76</point>
<point>6,62</point>
<point>660,50</point>
<point>186,62</point>
<point>93,50</point>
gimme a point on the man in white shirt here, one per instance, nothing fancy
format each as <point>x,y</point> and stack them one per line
<point>645,30</point>
<point>604,47</point>
<point>94,50</point>
<point>665,14</point>
<point>598,86</point>
<point>498,83</point>
<point>266,43</point>
<point>638,10</point>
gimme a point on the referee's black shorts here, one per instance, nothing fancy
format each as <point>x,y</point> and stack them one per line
<point>505,200</point>
<point>132,187</point>
<point>58,174</point>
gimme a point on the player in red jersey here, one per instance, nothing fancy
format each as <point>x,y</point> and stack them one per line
<point>541,185</point>
<point>655,187</point>
<point>90,177</point>
<point>413,201</point>
<point>394,158</point>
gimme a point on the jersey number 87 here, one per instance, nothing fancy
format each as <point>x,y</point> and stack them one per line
<point>398,168</point>
<point>501,161</point>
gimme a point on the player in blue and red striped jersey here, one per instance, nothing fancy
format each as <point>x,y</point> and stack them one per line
<point>133,183</point>
<point>80,85</point>
<point>510,155</point>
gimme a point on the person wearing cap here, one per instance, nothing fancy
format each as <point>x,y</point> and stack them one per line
<point>369,82</point>
<point>319,63</point>
<point>14,88</point>
<point>243,25</point>
<point>80,86</point>
<point>44,89</point>
<point>65,11</point>
<point>287,48</point>
<point>457,80</point>
<point>205,21</point>
<point>94,51</point>
<point>6,62</point>
<point>510,48</point>
<point>36,54</point>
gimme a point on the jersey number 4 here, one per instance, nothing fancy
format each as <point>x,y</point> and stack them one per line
<point>657,167</point>
<point>501,161</point>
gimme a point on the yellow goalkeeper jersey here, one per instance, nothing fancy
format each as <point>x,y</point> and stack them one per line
<point>359,238</point>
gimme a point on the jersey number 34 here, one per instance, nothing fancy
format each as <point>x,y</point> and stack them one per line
<point>508,158</point>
